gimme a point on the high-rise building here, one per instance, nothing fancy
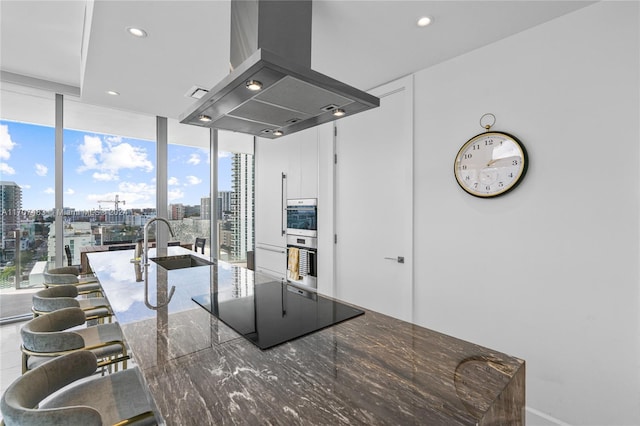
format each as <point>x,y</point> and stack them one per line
<point>242,197</point>
<point>11,205</point>
<point>205,208</point>
<point>176,211</point>
<point>224,198</point>
<point>224,203</point>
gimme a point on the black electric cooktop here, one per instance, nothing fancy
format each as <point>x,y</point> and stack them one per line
<point>275,313</point>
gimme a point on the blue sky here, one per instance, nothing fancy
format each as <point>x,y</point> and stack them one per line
<point>99,167</point>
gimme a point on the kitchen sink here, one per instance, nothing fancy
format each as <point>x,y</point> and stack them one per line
<point>180,261</point>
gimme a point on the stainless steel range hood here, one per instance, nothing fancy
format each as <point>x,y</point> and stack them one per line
<point>271,53</point>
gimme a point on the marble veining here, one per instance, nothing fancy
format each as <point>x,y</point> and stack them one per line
<point>371,369</point>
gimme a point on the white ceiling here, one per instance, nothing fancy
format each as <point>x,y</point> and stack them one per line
<point>84,45</point>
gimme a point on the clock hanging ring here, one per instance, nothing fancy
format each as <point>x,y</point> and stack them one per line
<point>491,163</point>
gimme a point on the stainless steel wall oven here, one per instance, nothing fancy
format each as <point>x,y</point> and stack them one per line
<point>302,242</point>
<point>302,217</point>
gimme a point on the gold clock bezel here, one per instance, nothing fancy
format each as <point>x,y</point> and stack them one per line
<point>522,169</point>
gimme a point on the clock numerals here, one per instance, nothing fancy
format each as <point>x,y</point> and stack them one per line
<point>490,164</point>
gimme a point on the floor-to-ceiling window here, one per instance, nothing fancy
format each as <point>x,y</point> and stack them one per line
<point>188,182</point>
<point>109,176</point>
<point>108,186</point>
<point>27,166</point>
<point>235,197</point>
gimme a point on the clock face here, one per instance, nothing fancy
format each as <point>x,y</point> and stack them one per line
<point>490,164</point>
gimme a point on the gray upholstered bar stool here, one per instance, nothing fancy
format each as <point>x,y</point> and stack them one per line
<point>65,391</point>
<point>65,296</point>
<point>69,275</point>
<point>72,270</point>
<point>50,336</point>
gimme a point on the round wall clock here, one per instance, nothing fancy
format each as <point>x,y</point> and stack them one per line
<point>490,164</point>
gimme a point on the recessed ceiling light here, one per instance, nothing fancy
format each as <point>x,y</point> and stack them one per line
<point>113,93</point>
<point>277,133</point>
<point>339,112</point>
<point>254,85</point>
<point>424,21</point>
<point>137,32</point>
<point>204,118</point>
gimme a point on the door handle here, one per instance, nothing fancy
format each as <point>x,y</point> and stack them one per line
<point>283,203</point>
<point>399,259</point>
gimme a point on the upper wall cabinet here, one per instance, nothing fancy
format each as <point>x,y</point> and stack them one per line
<point>295,156</point>
<point>302,170</point>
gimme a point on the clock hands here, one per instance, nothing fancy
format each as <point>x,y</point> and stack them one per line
<point>495,160</point>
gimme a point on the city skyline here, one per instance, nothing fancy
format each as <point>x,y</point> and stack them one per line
<point>97,167</point>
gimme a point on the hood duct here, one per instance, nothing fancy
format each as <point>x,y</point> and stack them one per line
<point>272,90</point>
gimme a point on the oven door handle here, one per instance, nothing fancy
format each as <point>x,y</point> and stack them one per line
<point>283,203</point>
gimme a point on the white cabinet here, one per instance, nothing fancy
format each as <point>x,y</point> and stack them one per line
<point>271,260</point>
<point>270,163</point>
<point>302,166</point>
<point>297,157</point>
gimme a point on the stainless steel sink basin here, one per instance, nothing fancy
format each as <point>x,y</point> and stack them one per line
<point>181,261</point>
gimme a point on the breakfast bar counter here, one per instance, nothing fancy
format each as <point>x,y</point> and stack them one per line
<point>371,369</point>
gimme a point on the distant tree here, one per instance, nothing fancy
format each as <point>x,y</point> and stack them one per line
<point>9,271</point>
<point>26,257</point>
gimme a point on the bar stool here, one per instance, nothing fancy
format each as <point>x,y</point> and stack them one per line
<point>48,336</point>
<point>200,242</point>
<point>69,275</point>
<point>66,296</point>
<point>65,391</point>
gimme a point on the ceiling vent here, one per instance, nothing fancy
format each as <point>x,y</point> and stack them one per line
<point>196,92</point>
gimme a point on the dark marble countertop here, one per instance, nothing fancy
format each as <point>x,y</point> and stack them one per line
<point>372,369</point>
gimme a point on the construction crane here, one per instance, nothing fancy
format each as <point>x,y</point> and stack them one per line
<point>115,202</point>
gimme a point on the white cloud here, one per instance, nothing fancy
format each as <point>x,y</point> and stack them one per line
<point>7,169</point>
<point>193,180</point>
<point>41,169</point>
<point>175,194</point>
<point>173,181</point>
<point>69,191</point>
<point>110,156</point>
<point>90,149</point>
<point>25,186</point>
<point>6,144</point>
<point>194,159</point>
<point>49,191</point>
<point>136,195</point>
<point>140,187</point>
<point>224,154</point>
<point>126,156</point>
<point>104,177</point>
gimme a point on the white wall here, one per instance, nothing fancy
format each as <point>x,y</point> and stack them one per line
<point>549,272</point>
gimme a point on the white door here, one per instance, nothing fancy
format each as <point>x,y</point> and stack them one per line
<point>374,204</point>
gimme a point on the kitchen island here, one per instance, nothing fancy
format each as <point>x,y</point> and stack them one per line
<point>371,369</point>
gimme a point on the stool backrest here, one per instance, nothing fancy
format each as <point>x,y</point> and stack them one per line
<point>21,399</point>
<point>200,242</point>
<point>48,333</point>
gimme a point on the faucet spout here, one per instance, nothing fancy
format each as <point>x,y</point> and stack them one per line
<point>146,236</point>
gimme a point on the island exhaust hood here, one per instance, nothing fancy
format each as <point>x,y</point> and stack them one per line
<point>272,90</point>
